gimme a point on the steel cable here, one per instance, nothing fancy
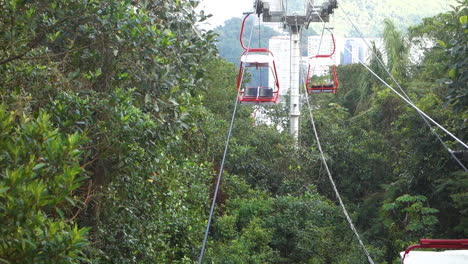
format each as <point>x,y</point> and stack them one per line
<point>221,170</point>
<point>330,177</point>
<point>382,64</point>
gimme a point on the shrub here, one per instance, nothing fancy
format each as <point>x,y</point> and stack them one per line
<point>39,172</point>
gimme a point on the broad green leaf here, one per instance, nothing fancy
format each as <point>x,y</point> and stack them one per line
<point>39,166</point>
<point>30,12</point>
<point>175,89</point>
<point>452,73</point>
<point>98,72</point>
<point>463,19</point>
<point>442,43</point>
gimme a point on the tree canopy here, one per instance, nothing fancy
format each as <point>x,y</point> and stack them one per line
<point>113,117</point>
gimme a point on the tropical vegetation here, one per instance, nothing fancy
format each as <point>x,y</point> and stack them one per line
<point>113,120</point>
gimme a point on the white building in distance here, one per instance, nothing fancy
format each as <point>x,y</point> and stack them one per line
<point>354,50</point>
<point>280,47</point>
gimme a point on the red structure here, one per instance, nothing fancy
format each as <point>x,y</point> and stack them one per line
<point>256,59</point>
<point>438,243</point>
<point>328,87</point>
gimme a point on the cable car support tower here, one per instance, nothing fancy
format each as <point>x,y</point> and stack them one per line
<point>294,16</point>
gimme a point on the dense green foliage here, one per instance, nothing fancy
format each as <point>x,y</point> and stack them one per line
<point>371,14</point>
<point>40,169</point>
<point>113,117</point>
<point>404,184</point>
<point>127,75</point>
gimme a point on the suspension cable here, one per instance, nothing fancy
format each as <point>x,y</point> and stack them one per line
<point>382,64</point>
<point>259,71</point>
<point>317,54</point>
<point>410,103</point>
<point>221,170</point>
<point>332,181</point>
<point>330,177</point>
<point>401,96</point>
<point>218,182</point>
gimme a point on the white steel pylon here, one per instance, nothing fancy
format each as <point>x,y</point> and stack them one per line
<point>295,15</point>
<point>294,108</point>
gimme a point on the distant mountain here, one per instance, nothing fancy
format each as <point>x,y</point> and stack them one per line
<point>368,15</point>
<point>228,40</point>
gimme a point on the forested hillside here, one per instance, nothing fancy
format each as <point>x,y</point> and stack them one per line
<point>254,36</point>
<point>113,119</point>
<point>101,112</point>
<point>368,15</point>
<point>227,40</point>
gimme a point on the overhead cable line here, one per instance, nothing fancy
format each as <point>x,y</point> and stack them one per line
<point>330,177</point>
<point>410,103</point>
<point>318,49</point>
<point>332,181</point>
<point>218,183</point>
<point>259,45</point>
<point>382,64</point>
<point>221,170</point>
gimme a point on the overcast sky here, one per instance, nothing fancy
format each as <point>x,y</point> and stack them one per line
<point>223,10</point>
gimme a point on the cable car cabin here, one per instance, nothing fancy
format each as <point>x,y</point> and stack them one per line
<point>457,256</point>
<point>322,78</point>
<point>327,82</point>
<point>260,65</point>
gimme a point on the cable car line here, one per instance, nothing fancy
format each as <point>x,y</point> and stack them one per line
<point>408,100</point>
<point>325,164</point>
<point>267,94</point>
<point>318,49</point>
<point>223,161</point>
<point>382,64</point>
<point>402,97</point>
<point>411,104</point>
<point>332,181</point>
<point>218,182</point>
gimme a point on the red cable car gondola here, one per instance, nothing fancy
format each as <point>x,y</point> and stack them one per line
<point>256,59</point>
<point>331,84</point>
<point>436,244</point>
